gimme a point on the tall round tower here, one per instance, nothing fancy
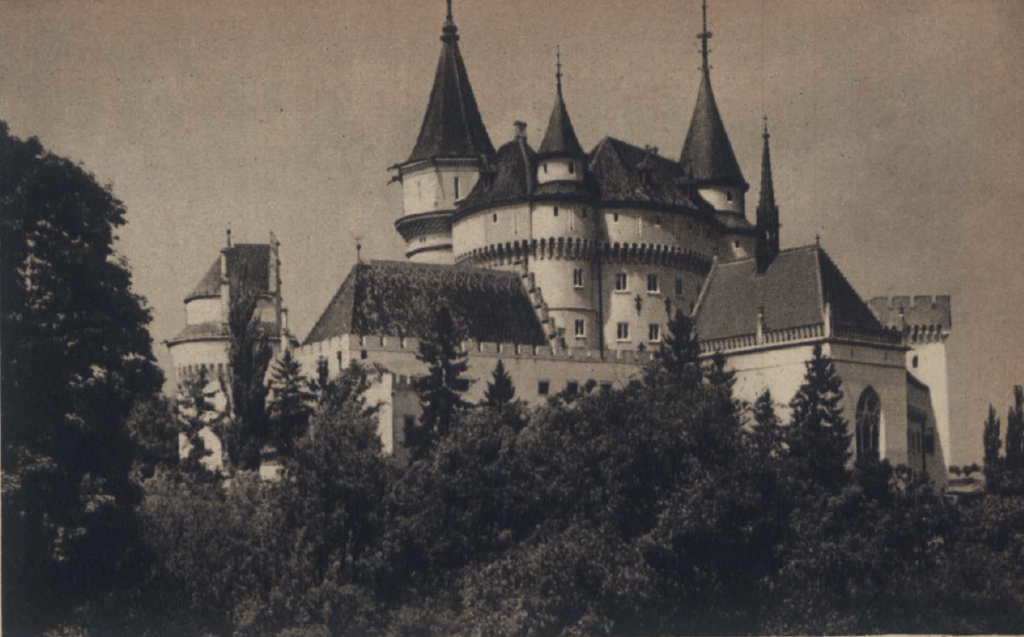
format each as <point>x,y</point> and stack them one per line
<point>446,161</point>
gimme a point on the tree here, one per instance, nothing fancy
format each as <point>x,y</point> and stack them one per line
<point>678,356</point>
<point>721,382</point>
<point>76,357</point>
<point>1015,432</point>
<point>291,403</point>
<point>817,436</point>
<point>249,356</point>
<point>500,390</point>
<point>992,444</point>
<point>767,430</point>
<point>440,390</point>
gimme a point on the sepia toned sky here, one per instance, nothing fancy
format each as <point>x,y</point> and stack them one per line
<point>896,130</point>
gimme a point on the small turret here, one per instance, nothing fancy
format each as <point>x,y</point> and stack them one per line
<point>767,212</point>
<point>560,156</point>
<point>707,154</point>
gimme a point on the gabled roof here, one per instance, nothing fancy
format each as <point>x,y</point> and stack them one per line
<point>560,137</point>
<point>792,293</point>
<point>511,177</point>
<point>393,298</point>
<point>629,174</point>
<point>707,155</point>
<point>452,126</point>
<point>248,270</point>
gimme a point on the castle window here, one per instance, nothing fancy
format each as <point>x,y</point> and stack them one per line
<point>679,286</point>
<point>622,331</point>
<point>728,195</point>
<point>621,282</point>
<point>410,421</point>
<point>736,243</point>
<point>929,442</point>
<point>572,387</point>
<point>545,168</point>
<point>654,333</point>
<point>657,221</point>
<point>577,278</point>
<point>915,362</point>
<point>455,184</point>
<point>543,387</point>
<point>362,354</point>
<point>556,211</point>
<point>616,217</point>
<point>495,217</point>
<point>606,386</point>
<point>652,283</point>
<point>580,328</point>
<point>869,416</point>
<point>572,168</point>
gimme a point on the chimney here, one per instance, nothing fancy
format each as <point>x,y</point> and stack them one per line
<point>520,130</point>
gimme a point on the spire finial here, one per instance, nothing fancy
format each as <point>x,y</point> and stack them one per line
<point>449,29</point>
<point>558,67</point>
<point>766,135</point>
<point>704,36</point>
<point>448,17</point>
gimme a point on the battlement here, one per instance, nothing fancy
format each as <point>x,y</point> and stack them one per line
<point>409,345</point>
<point>932,313</point>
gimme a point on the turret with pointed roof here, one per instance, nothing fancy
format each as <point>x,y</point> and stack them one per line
<point>445,164</point>
<point>560,154</point>
<point>767,211</point>
<point>707,157</point>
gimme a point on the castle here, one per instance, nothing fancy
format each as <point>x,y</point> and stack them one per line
<point>567,265</point>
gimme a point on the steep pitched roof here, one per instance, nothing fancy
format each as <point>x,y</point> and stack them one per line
<point>452,126</point>
<point>707,155</point>
<point>792,292</point>
<point>629,174</point>
<point>248,270</point>
<point>560,137</point>
<point>511,177</point>
<point>395,298</point>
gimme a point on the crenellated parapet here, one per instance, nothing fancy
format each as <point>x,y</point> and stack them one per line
<point>920,319</point>
<point>574,248</point>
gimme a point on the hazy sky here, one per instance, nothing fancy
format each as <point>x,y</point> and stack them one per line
<point>896,130</point>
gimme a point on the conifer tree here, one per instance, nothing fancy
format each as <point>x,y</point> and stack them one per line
<point>249,356</point>
<point>1015,432</point>
<point>720,383</point>
<point>440,390</point>
<point>767,430</point>
<point>679,355</point>
<point>992,443</point>
<point>500,390</point>
<point>291,403</point>
<point>194,410</point>
<point>818,437</point>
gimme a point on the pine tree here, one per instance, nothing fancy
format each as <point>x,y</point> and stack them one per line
<point>767,430</point>
<point>678,358</point>
<point>500,390</point>
<point>194,411</point>
<point>291,403</point>
<point>992,444</point>
<point>249,356</point>
<point>1015,432</point>
<point>440,390</point>
<point>818,438</point>
<point>720,383</point>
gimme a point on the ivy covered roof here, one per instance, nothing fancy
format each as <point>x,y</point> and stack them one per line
<point>393,298</point>
<point>248,269</point>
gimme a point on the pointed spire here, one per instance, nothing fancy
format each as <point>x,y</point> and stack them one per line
<point>767,211</point>
<point>560,137</point>
<point>707,150</point>
<point>452,125</point>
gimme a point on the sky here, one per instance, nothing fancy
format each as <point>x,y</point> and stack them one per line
<point>896,131</point>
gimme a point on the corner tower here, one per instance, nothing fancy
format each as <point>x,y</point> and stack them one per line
<point>707,158</point>
<point>445,162</point>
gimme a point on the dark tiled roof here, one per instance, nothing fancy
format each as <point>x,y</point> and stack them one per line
<point>248,269</point>
<point>201,330</point>
<point>452,126</point>
<point>734,221</point>
<point>511,179</point>
<point>707,154</point>
<point>560,137</point>
<point>792,293</point>
<point>619,170</point>
<point>394,298</point>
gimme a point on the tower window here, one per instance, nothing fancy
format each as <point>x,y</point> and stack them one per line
<point>657,221</point>
<point>455,184</point>
<point>572,387</point>
<point>915,362</point>
<point>572,168</point>
<point>622,331</point>
<point>545,168</point>
<point>580,328</point>
<point>728,195</point>
<point>616,217</point>
<point>543,387</point>
<point>679,286</point>
<point>577,278</point>
<point>621,282</point>
<point>556,211</point>
<point>652,283</point>
<point>736,243</point>
<point>495,217</point>
<point>654,332</point>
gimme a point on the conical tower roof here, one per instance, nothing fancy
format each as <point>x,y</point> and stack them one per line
<point>560,137</point>
<point>707,154</point>
<point>452,126</point>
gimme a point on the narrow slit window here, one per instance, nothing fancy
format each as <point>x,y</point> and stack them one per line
<point>455,185</point>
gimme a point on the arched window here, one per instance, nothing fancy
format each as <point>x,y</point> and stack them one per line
<point>869,416</point>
